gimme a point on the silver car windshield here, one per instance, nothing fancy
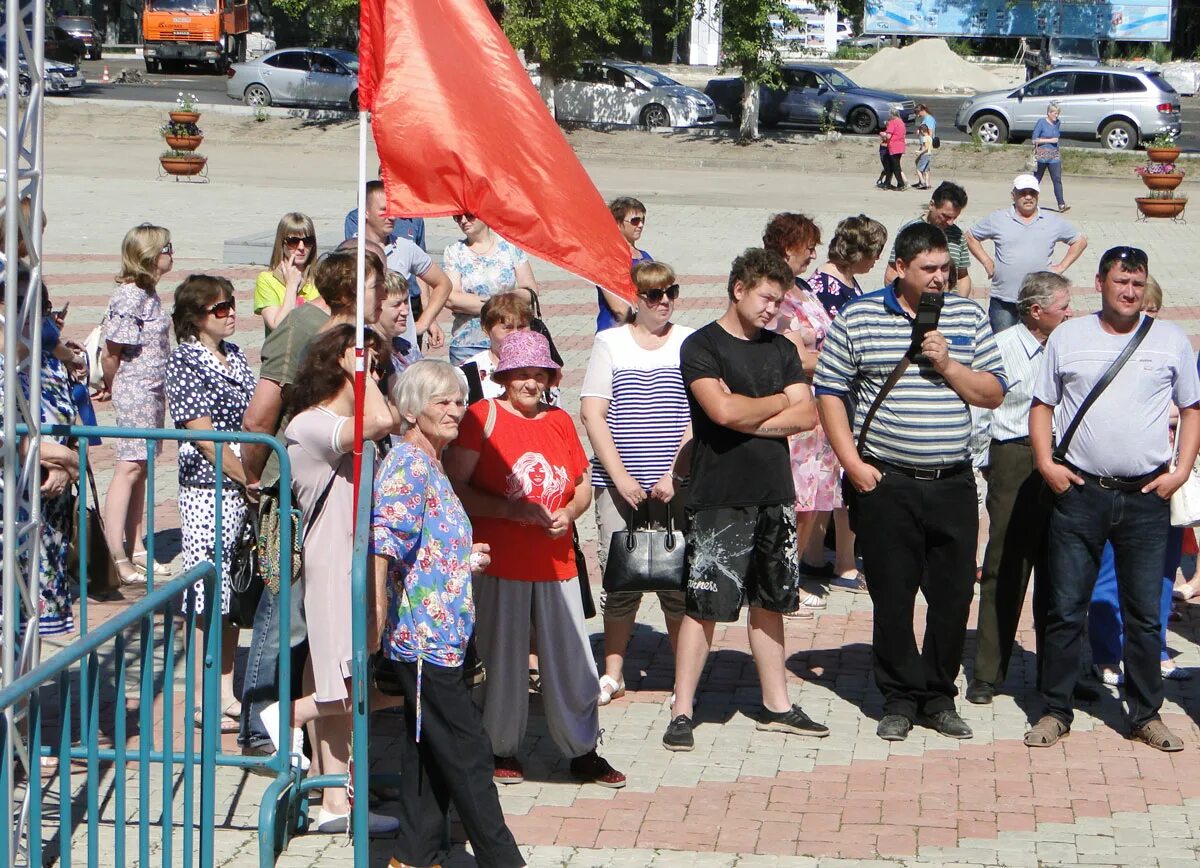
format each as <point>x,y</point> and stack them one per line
<point>649,77</point>
<point>346,58</point>
<point>838,80</point>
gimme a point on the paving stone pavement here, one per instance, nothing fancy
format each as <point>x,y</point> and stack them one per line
<point>742,798</point>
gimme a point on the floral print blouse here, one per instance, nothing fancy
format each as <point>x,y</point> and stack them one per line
<point>420,525</point>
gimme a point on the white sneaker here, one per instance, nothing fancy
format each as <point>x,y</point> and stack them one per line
<point>270,721</point>
<point>378,825</point>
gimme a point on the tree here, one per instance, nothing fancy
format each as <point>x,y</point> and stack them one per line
<point>749,34</point>
<point>558,34</point>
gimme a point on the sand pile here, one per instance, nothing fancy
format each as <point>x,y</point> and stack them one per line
<point>926,66</point>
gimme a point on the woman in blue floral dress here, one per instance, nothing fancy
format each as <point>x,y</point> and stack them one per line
<point>424,558</point>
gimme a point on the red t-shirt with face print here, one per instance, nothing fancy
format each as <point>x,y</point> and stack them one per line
<point>537,460</point>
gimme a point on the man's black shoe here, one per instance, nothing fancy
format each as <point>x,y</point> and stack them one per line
<point>980,693</point>
<point>947,723</point>
<point>894,727</point>
<point>679,734</point>
<point>793,721</point>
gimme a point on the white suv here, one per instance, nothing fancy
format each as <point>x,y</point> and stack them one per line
<point>1120,107</point>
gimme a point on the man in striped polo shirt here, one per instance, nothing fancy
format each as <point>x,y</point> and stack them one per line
<point>909,484</point>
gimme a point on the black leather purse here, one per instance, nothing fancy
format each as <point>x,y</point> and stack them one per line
<point>646,559</point>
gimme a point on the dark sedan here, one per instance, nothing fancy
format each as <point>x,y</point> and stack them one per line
<point>84,29</point>
<point>813,94</point>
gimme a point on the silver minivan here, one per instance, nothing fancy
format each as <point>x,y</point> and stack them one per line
<point>1120,107</point>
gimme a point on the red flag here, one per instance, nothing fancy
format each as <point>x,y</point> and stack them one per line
<point>460,127</point>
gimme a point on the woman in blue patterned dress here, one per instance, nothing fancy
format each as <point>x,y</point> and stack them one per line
<point>424,558</point>
<point>134,361</point>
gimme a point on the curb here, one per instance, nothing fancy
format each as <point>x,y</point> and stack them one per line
<point>232,109</point>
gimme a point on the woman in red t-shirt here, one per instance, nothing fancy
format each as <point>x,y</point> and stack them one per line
<point>522,474</point>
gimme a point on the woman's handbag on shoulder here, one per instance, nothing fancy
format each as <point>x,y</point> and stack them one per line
<point>102,572</point>
<point>270,525</point>
<point>644,559</point>
<point>1185,502</point>
<point>245,580</point>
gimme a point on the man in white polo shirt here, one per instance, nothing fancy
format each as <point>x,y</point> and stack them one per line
<point>1111,483</point>
<point>1023,239</point>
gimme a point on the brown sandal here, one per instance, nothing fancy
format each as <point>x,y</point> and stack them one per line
<point>1046,732</point>
<point>1156,734</point>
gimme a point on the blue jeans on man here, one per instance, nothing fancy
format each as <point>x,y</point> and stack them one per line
<point>1084,518</point>
<point>1002,314</point>
<point>1106,629</point>
<point>260,686</point>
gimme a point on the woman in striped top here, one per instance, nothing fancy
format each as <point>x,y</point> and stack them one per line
<point>634,407</point>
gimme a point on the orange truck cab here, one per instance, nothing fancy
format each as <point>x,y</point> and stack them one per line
<point>208,32</point>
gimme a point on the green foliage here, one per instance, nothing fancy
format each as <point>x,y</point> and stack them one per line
<point>1160,52</point>
<point>829,116</point>
<point>748,36</point>
<point>560,33</point>
<point>318,22</point>
<point>851,52</point>
<point>961,47</point>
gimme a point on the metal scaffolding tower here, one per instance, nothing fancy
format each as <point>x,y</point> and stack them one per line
<point>22,212</point>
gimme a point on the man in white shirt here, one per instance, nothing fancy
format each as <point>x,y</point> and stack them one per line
<point>1017,502</point>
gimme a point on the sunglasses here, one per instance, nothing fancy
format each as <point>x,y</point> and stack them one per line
<point>654,296</point>
<point>294,241</point>
<point>1134,258</point>
<point>636,221</point>
<point>222,309</point>
<point>465,218</point>
<point>168,250</point>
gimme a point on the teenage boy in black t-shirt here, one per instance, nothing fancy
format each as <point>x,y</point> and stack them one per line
<point>747,393</point>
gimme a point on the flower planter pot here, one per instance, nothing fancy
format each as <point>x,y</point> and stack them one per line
<point>181,117</point>
<point>1162,155</point>
<point>190,143</point>
<point>1163,182</point>
<point>1161,207</point>
<point>183,165</point>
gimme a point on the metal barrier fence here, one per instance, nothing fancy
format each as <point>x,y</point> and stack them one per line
<point>101,659</point>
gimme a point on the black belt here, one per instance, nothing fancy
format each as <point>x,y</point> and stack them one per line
<point>927,473</point>
<point>1016,441</point>
<point>1123,483</point>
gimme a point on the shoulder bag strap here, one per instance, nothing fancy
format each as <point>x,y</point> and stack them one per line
<point>889,384</point>
<point>1060,452</point>
<point>320,504</point>
<point>490,424</point>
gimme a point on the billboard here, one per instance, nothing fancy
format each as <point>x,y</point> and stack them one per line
<point>1136,20</point>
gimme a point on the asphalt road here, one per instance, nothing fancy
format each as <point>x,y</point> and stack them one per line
<point>210,88</point>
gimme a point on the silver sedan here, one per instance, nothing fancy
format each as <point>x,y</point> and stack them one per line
<point>317,77</point>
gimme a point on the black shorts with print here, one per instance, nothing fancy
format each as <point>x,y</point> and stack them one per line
<point>742,555</point>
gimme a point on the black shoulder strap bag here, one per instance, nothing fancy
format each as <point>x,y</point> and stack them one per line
<point>1060,451</point>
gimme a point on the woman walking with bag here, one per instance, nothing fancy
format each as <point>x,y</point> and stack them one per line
<point>522,474</point>
<point>635,410</point>
<point>208,386</point>
<point>1046,134</point>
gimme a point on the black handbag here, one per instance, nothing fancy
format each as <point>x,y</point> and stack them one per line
<point>646,559</point>
<point>245,580</point>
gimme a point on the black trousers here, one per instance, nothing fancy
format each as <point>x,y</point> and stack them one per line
<point>893,170</point>
<point>918,535</point>
<point>1018,505</point>
<point>451,764</point>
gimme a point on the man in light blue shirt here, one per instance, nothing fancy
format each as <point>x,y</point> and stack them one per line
<point>1017,505</point>
<point>1024,238</point>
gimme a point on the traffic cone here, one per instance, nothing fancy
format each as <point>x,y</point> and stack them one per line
<point>104,78</point>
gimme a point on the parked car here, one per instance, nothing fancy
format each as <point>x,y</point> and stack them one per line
<point>58,77</point>
<point>875,41</point>
<point>809,93</point>
<point>61,45</point>
<point>1121,107</point>
<point>84,29</point>
<point>317,77</point>
<point>616,92</point>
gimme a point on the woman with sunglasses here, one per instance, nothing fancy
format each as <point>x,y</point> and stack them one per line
<point>209,384</point>
<point>134,362</point>
<point>630,215</point>
<point>289,282</point>
<point>635,410</point>
<point>481,265</point>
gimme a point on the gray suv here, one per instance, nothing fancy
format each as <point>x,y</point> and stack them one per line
<point>1121,107</point>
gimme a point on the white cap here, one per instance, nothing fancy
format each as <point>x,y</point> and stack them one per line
<point>1026,182</point>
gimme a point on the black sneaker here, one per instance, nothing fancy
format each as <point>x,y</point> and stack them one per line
<point>980,693</point>
<point>591,768</point>
<point>793,721</point>
<point>948,723</point>
<point>894,727</point>
<point>679,734</point>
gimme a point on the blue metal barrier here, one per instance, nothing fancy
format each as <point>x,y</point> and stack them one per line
<point>157,617</point>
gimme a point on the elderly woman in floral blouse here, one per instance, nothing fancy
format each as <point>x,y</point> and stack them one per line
<point>424,557</point>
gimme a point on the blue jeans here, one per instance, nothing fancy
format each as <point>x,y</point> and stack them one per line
<point>1002,314</point>
<point>260,687</point>
<point>1084,518</point>
<point>1055,178</point>
<point>1106,632</point>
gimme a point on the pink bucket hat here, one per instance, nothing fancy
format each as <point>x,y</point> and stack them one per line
<point>525,349</point>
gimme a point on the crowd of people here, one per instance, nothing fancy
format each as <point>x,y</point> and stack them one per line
<point>896,416</point>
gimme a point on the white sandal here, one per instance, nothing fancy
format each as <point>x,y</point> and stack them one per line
<point>1184,592</point>
<point>812,601</point>
<point>609,690</point>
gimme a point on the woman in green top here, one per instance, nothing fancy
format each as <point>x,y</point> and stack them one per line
<point>289,282</point>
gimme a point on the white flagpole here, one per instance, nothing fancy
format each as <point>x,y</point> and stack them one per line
<point>359,311</point>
